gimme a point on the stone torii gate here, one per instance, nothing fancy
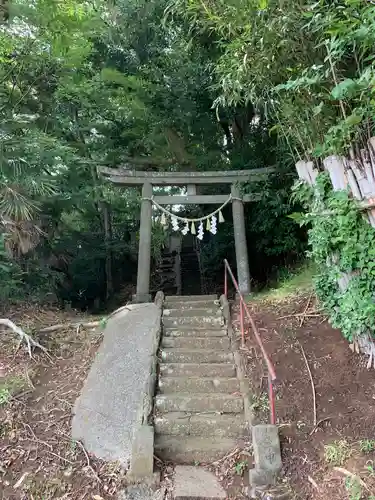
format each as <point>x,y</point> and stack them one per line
<point>190,180</point>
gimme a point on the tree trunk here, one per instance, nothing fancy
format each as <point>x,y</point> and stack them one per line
<point>108,241</point>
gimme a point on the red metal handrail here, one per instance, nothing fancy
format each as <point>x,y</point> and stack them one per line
<point>243,307</point>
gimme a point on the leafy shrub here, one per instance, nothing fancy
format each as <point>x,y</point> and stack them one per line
<point>341,243</point>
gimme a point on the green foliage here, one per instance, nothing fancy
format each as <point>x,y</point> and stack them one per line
<point>9,386</point>
<point>85,84</point>
<point>337,452</point>
<point>367,445</point>
<point>354,488</point>
<point>341,243</point>
<point>4,396</point>
<point>10,275</point>
<point>290,282</point>
<point>240,467</point>
<point>307,65</point>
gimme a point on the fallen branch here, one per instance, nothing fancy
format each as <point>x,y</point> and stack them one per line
<point>89,466</point>
<point>304,314</point>
<point>53,328</point>
<point>312,382</point>
<point>313,314</point>
<point>318,423</point>
<point>347,473</point>
<point>23,336</point>
<point>313,482</point>
<point>229,455</point>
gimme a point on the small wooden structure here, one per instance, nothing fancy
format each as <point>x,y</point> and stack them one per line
<point>191,180</point>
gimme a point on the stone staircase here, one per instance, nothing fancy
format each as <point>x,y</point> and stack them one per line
<point>199,411</point>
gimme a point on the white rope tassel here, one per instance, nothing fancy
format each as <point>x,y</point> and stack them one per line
<point>200,231</point>
<point>213,227</point>
<point>175,225</point>
<point>185,230</point>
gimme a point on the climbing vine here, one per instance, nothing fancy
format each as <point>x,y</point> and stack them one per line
<point>342,244</point>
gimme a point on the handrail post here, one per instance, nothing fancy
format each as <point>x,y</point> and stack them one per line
<point>242,324</point>
<point>225,281</point>
<point>244,309</point>
<point>271,401</point>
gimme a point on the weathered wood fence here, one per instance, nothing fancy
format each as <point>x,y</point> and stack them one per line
<point>357,175</point>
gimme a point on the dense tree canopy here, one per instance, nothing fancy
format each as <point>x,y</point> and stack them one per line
<point>194,85</point>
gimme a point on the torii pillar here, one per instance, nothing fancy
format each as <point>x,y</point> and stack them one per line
<point>242,260</point>
<point>144,253</point>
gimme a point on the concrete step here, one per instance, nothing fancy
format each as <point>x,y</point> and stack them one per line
<point>194,321</point>
<point>192,450</point>
<point>193,385</point>
<point>207,403</point>
<point>189,305</point>
<point>214,343</point>
<point>182,312</point>
<point>185,424</point>
<point>198,370</point>
<point>187,331</point>
<point>190,298</point>
<point>195,356</point>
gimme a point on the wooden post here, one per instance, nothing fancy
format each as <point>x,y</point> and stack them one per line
<point>144,253</point>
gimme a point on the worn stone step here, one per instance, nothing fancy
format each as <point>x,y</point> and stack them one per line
<point>213,343</point>
<point>190,298</point>
<point>195,356</point>
<point>211,312</point>
<point>198,385</point>
<point>192,450</point>
<point>198,369</point>
<point>189,305</point>
<point>209,424</point>
<point>187,331</point>
<point>194,321</point>
<point>225,403</point>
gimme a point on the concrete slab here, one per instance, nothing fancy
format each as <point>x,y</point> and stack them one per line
<point>209,424</point>
<point>195,483</point>
<point>142,460</point>
<point>212,343</point>
<point>211,402</point>
<point>111,403</point>
<point>198,370</point>
<point>187,331</point>
<point>193,321</point>
<point>168,385</point>
<point>192,449</point>
<point>141,492</point>
<point>195,356</point>
<point>196,311</point>
<point>190,298</point>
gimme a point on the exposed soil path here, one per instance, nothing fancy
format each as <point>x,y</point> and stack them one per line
<point>345,402</point>
<point>38,459</point>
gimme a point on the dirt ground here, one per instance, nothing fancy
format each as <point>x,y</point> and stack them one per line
<point>38,459</point>
<point>332,460</point>
<point>329,455</point>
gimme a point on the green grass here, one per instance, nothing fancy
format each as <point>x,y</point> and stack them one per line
<point>10,386</point>
<point>337,452</point>
<point>290,283</point>
<point>367,445</point>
